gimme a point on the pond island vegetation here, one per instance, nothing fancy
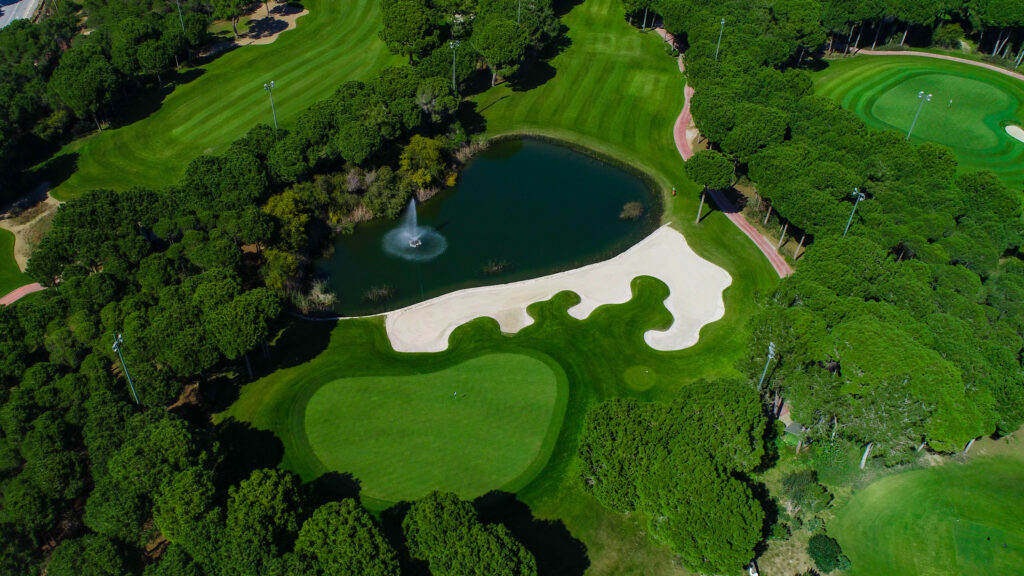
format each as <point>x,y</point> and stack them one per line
<point>839,420</point>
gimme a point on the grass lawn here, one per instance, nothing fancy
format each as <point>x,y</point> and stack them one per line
<point>883,90</point>
<point>151,142</point>
<point>961,519</point>
<point>11,276</point>
<point>490,419</point>
<point>612,90</point>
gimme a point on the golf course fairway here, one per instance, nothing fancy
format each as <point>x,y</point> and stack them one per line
<point>968,110</point>
<point>480,425</point>
<point>955,520</point>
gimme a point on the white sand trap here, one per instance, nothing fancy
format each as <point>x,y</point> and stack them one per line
<point>1015,131</point>
<point>695,297</point>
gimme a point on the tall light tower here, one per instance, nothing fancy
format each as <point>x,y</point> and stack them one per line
<point>118,342</point>
<point>923,98</point>
<point>270,90</point>
<point>858,195</point>
<point>771,356</point>
<point>720,32</point>
<point>454,45</point>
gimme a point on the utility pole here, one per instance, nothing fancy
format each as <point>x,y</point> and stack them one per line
<point>859,196</point>
<point>118,342</point>
<point>923,98</point>
<point>453,44</point>
<point>720,32</point>
<point>771,356</point>
<point>270,90</point>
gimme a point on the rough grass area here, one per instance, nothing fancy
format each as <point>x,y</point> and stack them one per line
<point>479,425</point>
<point>152,142</point>
<point>11,276</point>
<point>883,91</point>
<point>958,518</point>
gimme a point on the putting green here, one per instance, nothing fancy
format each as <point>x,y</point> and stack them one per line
<point>955,519</point>
<point>487,423</point>
<point>968,111</point>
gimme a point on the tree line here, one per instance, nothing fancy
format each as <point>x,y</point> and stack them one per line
<point>193,278</point>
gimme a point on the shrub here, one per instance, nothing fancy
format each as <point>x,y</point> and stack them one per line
<point>826,553</point>
<point>780,531</point>
<point>949,35</point>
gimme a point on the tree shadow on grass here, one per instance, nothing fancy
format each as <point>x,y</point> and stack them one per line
<point>53,173</point>
<point>557,551</point>
<point>297,341</point>
<point>331,487</point>
<point>146,102</point>
<point>244,449</point>
<point>471,119</point>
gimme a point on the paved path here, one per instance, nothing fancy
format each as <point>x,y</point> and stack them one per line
<point>20,293</point>
<point>22,9</point>
<point>681,132</point>
<point>992,67</point>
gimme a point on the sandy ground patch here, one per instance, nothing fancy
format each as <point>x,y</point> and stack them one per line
<point>695,297</point>
<point>29,227</point>
<point>1015,132</point>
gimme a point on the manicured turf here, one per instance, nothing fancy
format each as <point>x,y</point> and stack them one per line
<point>470,428</point>
<point>956,520</point>
<point>612,90</point>
<point>11,276</point>
<point>335,42</point>
<point>883,90</point>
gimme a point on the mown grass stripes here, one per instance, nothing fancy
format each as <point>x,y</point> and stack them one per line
<point>335,42</point>
<point>882,91</point>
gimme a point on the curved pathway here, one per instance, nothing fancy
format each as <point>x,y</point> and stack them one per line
<point>992,67</point>
<point>681,133</point>
<point>19,293</point>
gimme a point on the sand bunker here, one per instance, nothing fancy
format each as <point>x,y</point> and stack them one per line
<point>695,297</point>
<point>1015,131</point>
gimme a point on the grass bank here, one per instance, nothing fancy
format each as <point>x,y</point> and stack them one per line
<point>11,276</point>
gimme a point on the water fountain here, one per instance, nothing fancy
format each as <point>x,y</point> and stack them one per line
<point>410,241</point>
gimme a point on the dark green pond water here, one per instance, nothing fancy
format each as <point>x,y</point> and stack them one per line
<point>522,209</point>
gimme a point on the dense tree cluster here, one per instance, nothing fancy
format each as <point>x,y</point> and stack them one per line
<point>682,465</point>
<point>51,74</point>
<point>902,332</point>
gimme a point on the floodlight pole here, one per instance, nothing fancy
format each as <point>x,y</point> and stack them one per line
<point>453,44</point>
<point>118,342</point>
<point>180,18</point>
<point>923,98</point>
<point>519,11</point>
<point>859,196</point>
<point>771,356</point>
<point>270,90</point>
<point>720,32</point>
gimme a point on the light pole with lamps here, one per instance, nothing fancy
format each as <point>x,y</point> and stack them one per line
<point>771,356</point>
<point>454,45</point>
<point>859,196</point>
<point>720,32</point>
<point>118,342</point>
<point>270,90</point>
<point>923,98</point>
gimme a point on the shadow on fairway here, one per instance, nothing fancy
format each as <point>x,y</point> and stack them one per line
<point>298,341</point>
<point>471,119</point>
<point>151,99</point>
<point>558,553</point>
<point>391,526</point>
<point>330,487</point>
<point>54,172</point>
<point>244,449</point>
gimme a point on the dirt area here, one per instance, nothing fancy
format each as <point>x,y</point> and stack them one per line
<point>263,28</point>
<point>29,227</point>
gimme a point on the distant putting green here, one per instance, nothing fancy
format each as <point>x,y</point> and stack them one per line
<point>955,520</point>
<point>11,276</point>
<point>969,109</point>
<point>481,425</point>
